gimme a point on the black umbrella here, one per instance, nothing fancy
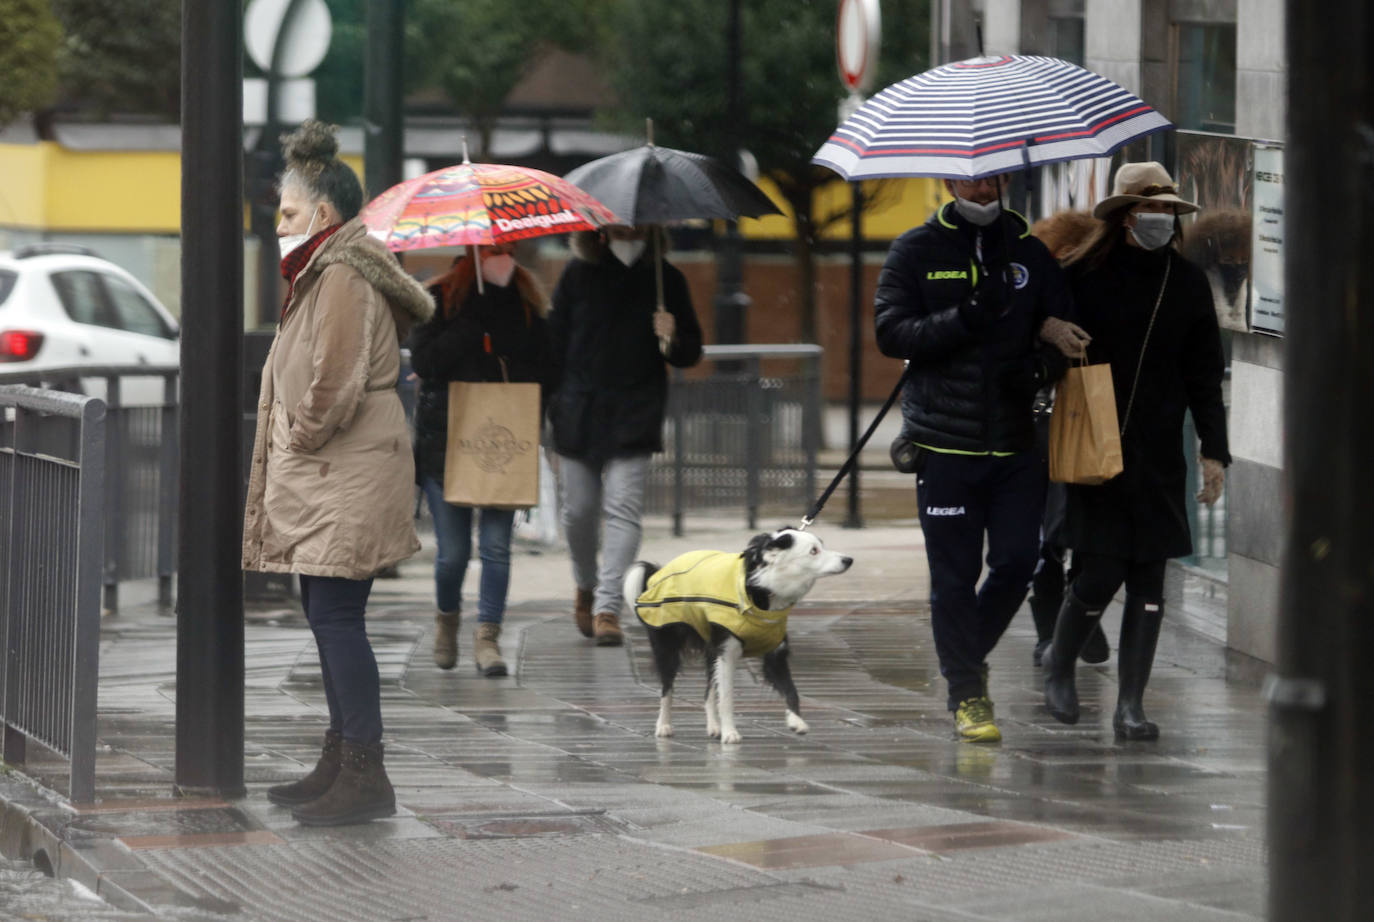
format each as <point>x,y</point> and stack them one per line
<point>656,185</point>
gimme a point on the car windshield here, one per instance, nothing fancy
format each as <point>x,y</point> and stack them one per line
<point>7,279</point>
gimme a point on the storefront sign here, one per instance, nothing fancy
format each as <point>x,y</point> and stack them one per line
<point>1266,250</point>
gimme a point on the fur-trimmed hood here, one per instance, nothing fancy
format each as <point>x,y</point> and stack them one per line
<point>354,247</point>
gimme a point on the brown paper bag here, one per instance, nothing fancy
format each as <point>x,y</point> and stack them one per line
<point>1085,442</point>
<point>493,445</point>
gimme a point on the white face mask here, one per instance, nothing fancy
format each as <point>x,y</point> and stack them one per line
<point>1153,229</point>
<point>979,215</point>
<point>289,242</point>
<point>627,251</point>
<point>498,268</point>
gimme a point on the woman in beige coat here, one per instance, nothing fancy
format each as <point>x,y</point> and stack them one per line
<point>330,493</point>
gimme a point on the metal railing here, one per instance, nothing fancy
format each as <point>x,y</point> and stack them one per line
<point>745,435</point>
<point>141,467</point>
<point>52,478</point>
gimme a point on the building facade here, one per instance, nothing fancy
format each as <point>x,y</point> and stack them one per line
<point>1215,68</point>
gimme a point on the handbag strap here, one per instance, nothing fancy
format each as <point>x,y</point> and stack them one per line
<point>1140,362</point>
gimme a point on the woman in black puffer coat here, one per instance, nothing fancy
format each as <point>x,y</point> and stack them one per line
<point>498,334</point>
<point>1150,315</point>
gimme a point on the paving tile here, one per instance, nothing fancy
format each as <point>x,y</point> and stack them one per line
<point>808,851</point>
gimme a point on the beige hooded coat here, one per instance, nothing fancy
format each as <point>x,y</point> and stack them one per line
<point>331,488</point>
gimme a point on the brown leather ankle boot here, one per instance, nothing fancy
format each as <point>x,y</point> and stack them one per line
<point>446,638</point>
<point>486,651</point>
<point>606,627</point>
<point>582,612</point>
<point>315,784</point>
<point>361,792</point>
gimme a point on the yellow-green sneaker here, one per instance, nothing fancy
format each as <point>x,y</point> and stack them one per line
<point>973,720</point>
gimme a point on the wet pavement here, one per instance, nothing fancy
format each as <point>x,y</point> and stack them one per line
<point>546,795</point>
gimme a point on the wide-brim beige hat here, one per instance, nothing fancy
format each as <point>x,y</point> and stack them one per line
<point>1142,182</point>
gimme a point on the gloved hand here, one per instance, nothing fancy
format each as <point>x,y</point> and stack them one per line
<point>985,303</point>
<point>1068,338</point>
<point>1213,479</point>
<point>1022,376</point>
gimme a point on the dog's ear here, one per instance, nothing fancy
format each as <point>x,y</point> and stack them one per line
<point>782,540</point>
<point>753,551</point>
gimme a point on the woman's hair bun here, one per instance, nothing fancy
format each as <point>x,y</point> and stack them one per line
<point>313,144</point>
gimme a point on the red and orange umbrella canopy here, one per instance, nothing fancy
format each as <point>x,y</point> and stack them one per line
<point>472,204</point>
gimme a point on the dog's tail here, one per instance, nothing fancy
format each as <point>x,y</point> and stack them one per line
<point>636,578</point>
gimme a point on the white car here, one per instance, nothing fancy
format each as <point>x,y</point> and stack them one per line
<point>62,306</point>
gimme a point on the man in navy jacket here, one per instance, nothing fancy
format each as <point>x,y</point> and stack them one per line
<point>965,298</point>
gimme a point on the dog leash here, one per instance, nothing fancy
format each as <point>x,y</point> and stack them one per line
<point>854,455</point>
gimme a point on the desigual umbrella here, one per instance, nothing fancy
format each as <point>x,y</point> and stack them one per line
<point>472,204</point>
<point>986,116</point>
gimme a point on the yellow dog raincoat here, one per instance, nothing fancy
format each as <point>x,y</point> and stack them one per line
<point>701,588</point>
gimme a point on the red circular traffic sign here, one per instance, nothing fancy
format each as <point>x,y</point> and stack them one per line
<point>857,28</point>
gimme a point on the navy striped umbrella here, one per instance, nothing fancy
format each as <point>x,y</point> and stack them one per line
<point>985,116</point>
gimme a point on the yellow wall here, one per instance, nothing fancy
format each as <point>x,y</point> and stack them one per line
<point>898,205</point>
<point>45,186</point>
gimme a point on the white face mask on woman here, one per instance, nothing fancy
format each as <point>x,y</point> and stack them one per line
<point>498,268</point>
<point>627,251</point>
<point>291,241</point>
<point>1153,229</point>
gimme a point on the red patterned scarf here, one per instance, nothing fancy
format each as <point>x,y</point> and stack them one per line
<point>292,263</point>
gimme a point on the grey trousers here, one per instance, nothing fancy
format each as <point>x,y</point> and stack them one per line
<point>594,495</point>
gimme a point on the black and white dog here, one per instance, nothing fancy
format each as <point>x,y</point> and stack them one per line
<point>728,605</point>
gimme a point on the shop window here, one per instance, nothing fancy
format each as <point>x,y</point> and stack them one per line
<point>1066,38</point>
<point>1205,77</point>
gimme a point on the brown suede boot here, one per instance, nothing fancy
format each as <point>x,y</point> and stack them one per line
<point>446,638</point>
<point>317,783</point>
<point>485,650</point>
<point>582,612</point>
<point>606,627</point>
<point>360,793</point>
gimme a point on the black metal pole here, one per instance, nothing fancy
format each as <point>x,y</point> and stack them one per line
<point>1321,804</point>
<point>854,518</point>
<point>731,302</point>
<point>383,115</point>
<point>209,701</point>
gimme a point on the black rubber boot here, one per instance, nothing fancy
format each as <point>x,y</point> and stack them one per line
<point>1071,629</point>
<point>315,784</point>
<point>1044,611</point>
<point>360,793</point>
<point>1095,649</point>
<point>1139,635</point>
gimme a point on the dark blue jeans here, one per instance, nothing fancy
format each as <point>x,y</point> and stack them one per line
<point>335,607</point>
<point>962,500</point>
<point>453,533</point>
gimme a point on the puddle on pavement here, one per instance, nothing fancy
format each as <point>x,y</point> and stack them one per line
<point>28,893</point>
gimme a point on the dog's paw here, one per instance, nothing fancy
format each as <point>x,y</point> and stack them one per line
<point>730,736</point>
<point>796,724</point>
<point>712,732</point>
<point>663,731</point>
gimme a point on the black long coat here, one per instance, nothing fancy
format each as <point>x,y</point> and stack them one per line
<point>1141,514</point>
<point>490,328</point>
<point>613,382</point>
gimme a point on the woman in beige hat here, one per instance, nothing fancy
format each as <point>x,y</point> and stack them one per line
<point>1149,313</point>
